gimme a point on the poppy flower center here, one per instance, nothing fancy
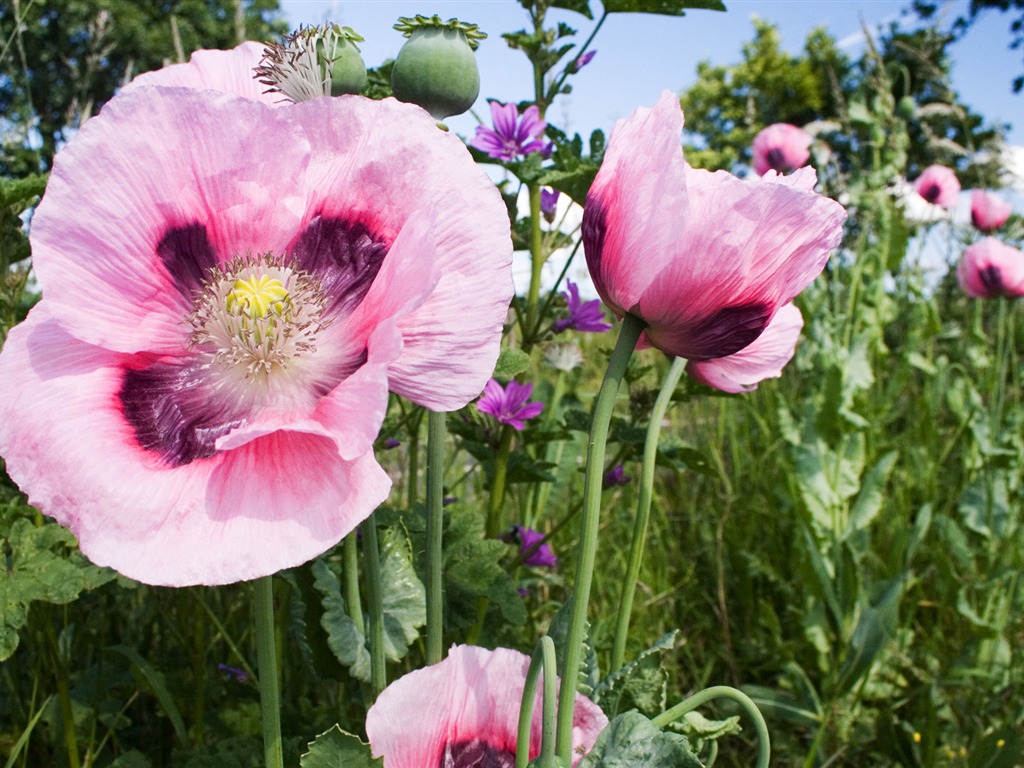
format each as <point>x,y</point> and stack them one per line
<point>475,754</point>
<point>258,315</point>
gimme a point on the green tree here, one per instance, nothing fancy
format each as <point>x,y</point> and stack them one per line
<point>62,59</point>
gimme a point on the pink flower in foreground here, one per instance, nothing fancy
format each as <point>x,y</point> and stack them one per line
<point>991,268</point>
<point>763,359</point>
<point>464,712</point>
<point>781,147</point>
<point>513,136</point>
<point>938,185</point>
<point>508,405</point>
<point>230,290</point>
<point>988,211</point>
<point>705,259</point>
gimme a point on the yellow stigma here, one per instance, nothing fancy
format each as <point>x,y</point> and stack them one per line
<point>257,297</point>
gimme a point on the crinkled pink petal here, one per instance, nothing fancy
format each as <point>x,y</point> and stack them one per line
<point>780,147</point>
<point>159,186</point>
<point>938,185</point>
<point>275,497</point>
<point>991,268</point>
<point>471,698</point>
<point>988,211</point>
<point>226,71</point>
<point>376,163</point>
<point>763,359</point>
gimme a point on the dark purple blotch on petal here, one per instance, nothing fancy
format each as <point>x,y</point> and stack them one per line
<point>776,159</point>
<point>171,411</point>
<point>727,331</point>
<point>344,256</point>
<point>475,754</point>
<point>931,192</point>
<point>188,256</point>
<point>594,228</point>
<point>992,279</point>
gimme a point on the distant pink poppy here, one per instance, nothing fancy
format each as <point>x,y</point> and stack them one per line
<point>781,147</point>
<point>991,268</point>
<point>938,185</point>
<point>988,211</point>
<point>705,259</point>
<point>464,711</point>
<point>229,292</point>
<point>762,359</point>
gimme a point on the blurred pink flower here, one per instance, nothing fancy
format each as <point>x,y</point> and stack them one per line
<point>991,268</point>
<point>938,185</point>
<point>513,136</point>
<point>763,359</point>
<point>230,290</point>
<point>508,405</point>
<point>781,147</point>
<point>464,711</point>
<point>988,211</point>
<point>705,259</point>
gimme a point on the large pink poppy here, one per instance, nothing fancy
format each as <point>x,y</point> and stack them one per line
<point>991,268</point>
<point>464,713</point>
<point>988,211</point>
<point>705,259</point>
<point>780,147</point>
<point>229,292</point>
<point>763,359</point>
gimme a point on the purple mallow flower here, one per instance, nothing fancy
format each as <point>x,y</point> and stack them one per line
<point>529,539</point>
<point>583,315</point>
<point>508,405</point>
<point>548,204</point>
<point>391,443</point>
<point>615,476</point>
<point>513,135</point>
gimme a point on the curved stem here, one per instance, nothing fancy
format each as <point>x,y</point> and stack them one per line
<point>375,605</point>
<point>435,502</point>
<point>543,657</point>
<point>629,333</point>
<point>764,750</point>
<point>495,507</point>
<point>350,555</point>
<point>643,510</point>
<point>266,661</point>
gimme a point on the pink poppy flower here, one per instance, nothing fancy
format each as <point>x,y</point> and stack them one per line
<point>763,359</point>
<point>464,711</point>
<point>988,211</point>
<point>781,147</point>
<point>230,290</point>
<point>991,268</point>
<point>705,259</point>
<point>938,185</point>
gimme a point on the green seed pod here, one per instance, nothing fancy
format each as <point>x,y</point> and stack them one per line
<point>436,68</point>
<point>313,62</point>
<point>345,66</point>
<point>906,108</point>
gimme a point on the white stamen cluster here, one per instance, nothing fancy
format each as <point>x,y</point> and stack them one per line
<point>301,66</point>
<point>257,315</point>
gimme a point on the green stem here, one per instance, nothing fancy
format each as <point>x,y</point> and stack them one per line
<point>375,604</point>
<point>643,510</point>
<point>539,494</point>
<point>543,657</point>
<point>495,508</point>
<point>435,502</point>
<point>266,661</point>
<point>63,692</point>
<point>556,86</point>
<point>350,555</point>
<point>537,259</point>
<point>629,333</point>
<point>764,749</point>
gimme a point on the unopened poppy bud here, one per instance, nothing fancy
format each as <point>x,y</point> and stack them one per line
<point>906,107</point>
<point>436,68</point>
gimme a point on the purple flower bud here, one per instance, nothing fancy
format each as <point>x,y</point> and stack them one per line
<point>549,204</point>
<point>530,539</point>
<point>391,443</point>
<point>615,476</point>
<point>583,60</point>
<point>233,672</point>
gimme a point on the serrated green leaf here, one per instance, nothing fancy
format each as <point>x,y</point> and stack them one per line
<point>511,362</point>
<point>632,740</point>
<point>663,7</point>
<point>404,596</point>
<point>876,625</point>
<point>335,748</point>
<point>343,638</point>
<point>641,684</point>
<point>575,182</point>
<point>869,499</point>
<point>558,631</point>
<point>579,6</point>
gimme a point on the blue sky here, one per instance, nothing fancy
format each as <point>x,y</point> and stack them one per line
<point>640,55</point>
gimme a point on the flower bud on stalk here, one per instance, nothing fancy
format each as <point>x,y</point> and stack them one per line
<point>436,68</point>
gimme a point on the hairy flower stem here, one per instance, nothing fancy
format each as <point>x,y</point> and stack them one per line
<point>375,604</point>
<point>643,510</point>
<point>629,333</point>
<point>537,259</point>
<point>543,658</point>
<point>496,504</point>
<point>350,555</point>
<point>266,660</point>
<point>539,495</point>
<point>435,501</point>
<point>764,747</point>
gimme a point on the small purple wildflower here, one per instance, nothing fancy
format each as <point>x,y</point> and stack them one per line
<point>508,405</point>
<point>512,136</point>
<point>391,443</point>
<point>583,60</point>
<point>542,555</point>
<point>233,672</point>
<point>584,316</point>
<point>449,500</point>
<point>615,476</point>
<point>549,204</point>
